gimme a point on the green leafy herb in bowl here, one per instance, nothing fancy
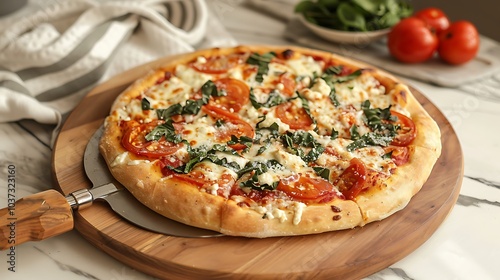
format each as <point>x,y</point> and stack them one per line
<point>354,15</point>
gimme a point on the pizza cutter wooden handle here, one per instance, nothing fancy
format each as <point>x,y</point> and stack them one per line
<point>35,217</point>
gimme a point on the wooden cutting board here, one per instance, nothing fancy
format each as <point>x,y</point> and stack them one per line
<point>347,254</point>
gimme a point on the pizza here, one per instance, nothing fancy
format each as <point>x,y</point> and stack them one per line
<point>261,141</point>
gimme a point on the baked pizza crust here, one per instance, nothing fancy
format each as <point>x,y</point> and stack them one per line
<point>395,193</point>
<point>185,203</point>
<point>335,215</point>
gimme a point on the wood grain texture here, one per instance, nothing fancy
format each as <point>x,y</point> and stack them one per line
<point>35,217</point>
<point>348,254</point>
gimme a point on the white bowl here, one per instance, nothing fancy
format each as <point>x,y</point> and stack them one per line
<point>345,37</point>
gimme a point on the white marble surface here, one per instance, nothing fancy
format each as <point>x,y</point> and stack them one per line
<point>465,246</point>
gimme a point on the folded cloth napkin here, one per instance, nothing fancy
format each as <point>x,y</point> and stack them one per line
<point>50,58</point>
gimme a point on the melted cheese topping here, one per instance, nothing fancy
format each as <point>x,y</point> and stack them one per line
<point>305,66</point>
<point>272,118</point>
<point>201,131</point>
<point>191,77</point>
<point>298,208</point>
<point>364,87</point>
<point>120,159</point>
<point>169,92</point>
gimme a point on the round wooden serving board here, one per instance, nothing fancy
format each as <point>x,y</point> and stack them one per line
<point>347,254</point>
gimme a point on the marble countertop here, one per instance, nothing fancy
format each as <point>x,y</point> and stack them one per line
<point>465,246</point>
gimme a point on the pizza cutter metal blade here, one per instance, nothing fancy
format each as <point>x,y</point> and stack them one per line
<point>49,213</point>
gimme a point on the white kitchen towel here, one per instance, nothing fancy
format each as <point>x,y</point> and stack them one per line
<point>50,58</point>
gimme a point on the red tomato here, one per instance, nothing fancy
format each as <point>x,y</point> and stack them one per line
<point>407,130</point>
<point>400,155</point>
<point>435,18</point>
<point>194,177</point>
<point>288,82</point>
<point>351,182</point>
<point>217,64</point>
<point>237,94</point>
<point>217,112</point>
<point>255,195</point>
<point>289,85</point>
<point>411,41</point>
<point>169,161</point>
<point>166,77</point>
<point>306,189</point>
<point>332,151</point>
<point>134,141</point>
<point>197,178</point>
<point>459,43</point>
<point>234,125</point>
<point>296,118</point>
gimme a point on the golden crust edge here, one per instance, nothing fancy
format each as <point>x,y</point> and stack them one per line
<point>314,219</point>
<point>378,204</point>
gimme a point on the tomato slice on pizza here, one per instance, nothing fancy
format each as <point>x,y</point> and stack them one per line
<point>400,155</point>
<point>217,64</point>
<point>406,132</point>
<point>198,178</point>
<point>135,140</point>
<point>352,181</point>
<point>230,125</point>
<point>296,117</point>
<point>306,189</point>
<point>288,84</point>
<point>235,94</point>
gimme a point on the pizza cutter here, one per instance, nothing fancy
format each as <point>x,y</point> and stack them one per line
<point>49,213</point>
